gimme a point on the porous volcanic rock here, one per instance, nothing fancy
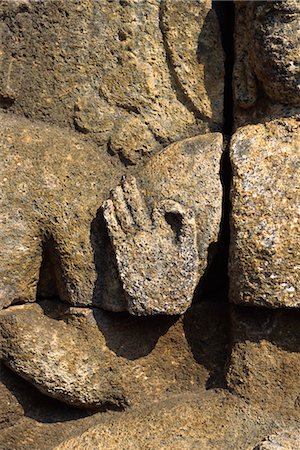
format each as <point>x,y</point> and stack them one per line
<point>93,359</point>
<point>52,187</point>
<point>52,184</point>
<point>111,69</point>
<point>264,358</point>
<point>161,251</point>
<point>264,244</point>
<point>186,422</point>
<point>266,78</point>
<point>282,440</point>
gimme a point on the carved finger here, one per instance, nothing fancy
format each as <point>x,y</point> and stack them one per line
<point>123,214</point>
<point>109,214</point>
<point>170,214</point>
<point>188,234</point>
<point>136,203</point>
<point>167,215</point>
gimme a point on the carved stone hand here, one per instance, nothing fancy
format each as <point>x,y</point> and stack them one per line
<point>156,254</point>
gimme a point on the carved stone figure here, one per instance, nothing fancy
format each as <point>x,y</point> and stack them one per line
<point>92,358</point>
<point>160,259</point>
<point>264,261</point>
<point>266,74</point>
<point>158,263</point>
<point>134,75</point>
<point>50,198</point>
<point>122,96</point>
<point>111,205</point>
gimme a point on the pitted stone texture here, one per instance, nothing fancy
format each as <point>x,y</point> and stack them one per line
<point>264,358</point>
<point>282,440</point>
<point>158,263</point>
<point>265,249</point>
<point>161,248</point>
<point>52,184</point>
<point>267,60</point>
<point>191,53</point>
<point>91,358</point>
<point>105,66</point>
<point>275,55</point>
<point>183,423</point>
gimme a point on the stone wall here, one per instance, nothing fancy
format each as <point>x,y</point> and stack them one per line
<point>149,232</point>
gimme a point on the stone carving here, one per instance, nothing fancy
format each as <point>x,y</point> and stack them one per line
<point>264,254</point>
<point>50,193</point>
<point>124,97</point>
<point>91,358</point>
<point>50,198</point>
<point>126,69</point>
<point>183,182</point>
<point>266,74</point>
<point>111,200</point>
<point>157,254</point>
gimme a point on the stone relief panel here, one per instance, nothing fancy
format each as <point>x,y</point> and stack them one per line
<point>101,94</point>
<point>265,155</point>
<point>111,205</point>
<point>134,75</point>
<point>50,199</point>
<point>110,192</point>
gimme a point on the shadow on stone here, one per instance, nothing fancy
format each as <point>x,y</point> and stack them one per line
<point>206,331</point>
<point>108,288</point>
<point>132,337</point>
<point>264,365</point>
<point>29,402</point>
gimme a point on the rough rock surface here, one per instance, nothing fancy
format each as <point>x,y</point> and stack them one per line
<point>92,358</point>
<point>161,255</point>
<point>157,259</point>
<point>264,358</point>
<point>264,246</point>
<point>282,440</point>
<point>53,184</point>
<point>214,421</point>
<point>267,64</point>
<point>210,419</point>
<point>112,69</point>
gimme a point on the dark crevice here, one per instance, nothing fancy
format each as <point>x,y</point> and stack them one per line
<point>6,102</point>
<point>214,285</point>
<point>47,285</point>
<point>225,13</point>
<point>175,222</point>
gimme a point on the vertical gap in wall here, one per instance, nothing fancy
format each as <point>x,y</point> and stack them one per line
<point>215,284</point>
<point>225,13</point>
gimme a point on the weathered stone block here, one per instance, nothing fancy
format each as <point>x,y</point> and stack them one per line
<point>91,358</point>
<point>265,358</point>
<point>264,246</point>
